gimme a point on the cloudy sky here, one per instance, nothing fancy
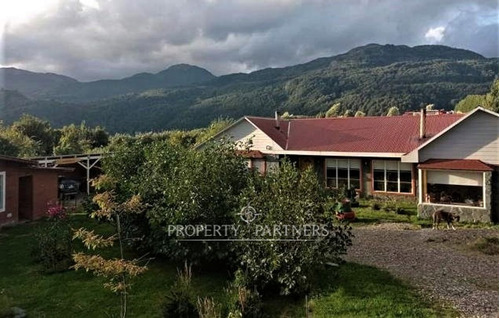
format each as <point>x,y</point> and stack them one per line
<point>94,39</point>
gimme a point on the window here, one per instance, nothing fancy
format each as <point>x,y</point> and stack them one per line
<point>392,176</point>
<point>343,172</point>
<point>455,187</point>
<point>2,191</point>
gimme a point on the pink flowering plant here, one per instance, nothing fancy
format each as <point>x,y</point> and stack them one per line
<point>55,211</point>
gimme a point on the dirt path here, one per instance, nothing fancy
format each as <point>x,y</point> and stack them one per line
<point>440,263</point>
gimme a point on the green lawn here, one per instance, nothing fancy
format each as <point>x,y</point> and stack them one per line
<point>353,290</point>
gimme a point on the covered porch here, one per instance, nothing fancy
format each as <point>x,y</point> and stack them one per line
<point>463,187</point>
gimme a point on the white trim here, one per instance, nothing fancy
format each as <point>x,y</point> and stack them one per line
<point>420,186</point>
<point>412,153</point>
<point>4,190</point>
<point>348,172</point>
<point>484,190</point>
<point>336,153</point>
<point>385,178</point>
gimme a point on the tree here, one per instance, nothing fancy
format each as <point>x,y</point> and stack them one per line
<point>118,271</point>
<point>80,139</point>
<point>333,111</point>
<point>214,128</point>
<point>15,143</point>
<point>393,111</point>
<point>469,103</point>
<point>491,101</point>
<point>359,114</point>
<point>7,148</point>
<point>287,196</point>
<point>488,101</point>
<point>348,113</point>
<point>38,130</point>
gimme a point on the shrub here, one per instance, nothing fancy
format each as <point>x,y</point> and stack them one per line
<point>53,245</point>
<point>288,197</point>
<point>241,301</point>
<point>207,308</point>
<point>375,205</point>
<point>88,205</point>
<point>180,300</point>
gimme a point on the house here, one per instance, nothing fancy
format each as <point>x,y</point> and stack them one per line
<point>445,160</point>
<point>25,189</point>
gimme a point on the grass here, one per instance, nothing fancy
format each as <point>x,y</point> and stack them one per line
<point>365,214</point>
<point>485,245</point>
<point>352,290</point>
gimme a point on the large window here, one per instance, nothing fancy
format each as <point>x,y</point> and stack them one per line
<point>2,191</point>
<point>343,172</point>
<point>392,176</point>
<point>455,187</point>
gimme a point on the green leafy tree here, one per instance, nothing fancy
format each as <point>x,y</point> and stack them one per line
<point>287,196</point>
<point>488,101</point>
<point>333,111</point>
<point>15,143</point>
<point>7,148</point>
<point>393,111</point>
<point>80,139</point>
<point>38,130</point>
<point>491,101</point>
<point>214,128</point>
<point>470,102</point>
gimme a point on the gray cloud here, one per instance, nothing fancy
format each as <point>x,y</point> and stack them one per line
<point>124,37</point>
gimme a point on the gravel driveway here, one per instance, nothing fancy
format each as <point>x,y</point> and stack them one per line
<point>439,263</point>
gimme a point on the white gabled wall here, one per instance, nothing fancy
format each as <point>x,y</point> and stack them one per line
<point>244,131</point>
<point>474,138</point>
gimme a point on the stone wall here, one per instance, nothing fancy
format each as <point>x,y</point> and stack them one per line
<point>467,214</point>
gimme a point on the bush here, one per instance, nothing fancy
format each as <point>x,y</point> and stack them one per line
<point>375,205</point>
<point>180,301</point>
<point>88,205</point>
<point>207,308</point>
<point>296,199</point>
<point>53,245</point>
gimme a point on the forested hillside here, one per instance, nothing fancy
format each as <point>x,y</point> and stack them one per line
<point>370,79</point>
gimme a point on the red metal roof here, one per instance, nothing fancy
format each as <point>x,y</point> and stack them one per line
<point>396,134</point>
<point>455,164</point>
<point>268,126</point>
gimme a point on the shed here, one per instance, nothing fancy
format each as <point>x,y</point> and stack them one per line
<point>25,189</point>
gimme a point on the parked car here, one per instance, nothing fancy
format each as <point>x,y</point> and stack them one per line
<point>68,187</point>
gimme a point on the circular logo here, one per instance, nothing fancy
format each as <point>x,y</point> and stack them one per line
<point>248,214</point>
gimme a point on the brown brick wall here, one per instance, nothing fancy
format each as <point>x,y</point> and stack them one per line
<point>44,189</point>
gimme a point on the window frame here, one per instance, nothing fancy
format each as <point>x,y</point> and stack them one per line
<point>4,190</point>
<point>425,190</point>
<point>412,184</point>
<point>348,172</point>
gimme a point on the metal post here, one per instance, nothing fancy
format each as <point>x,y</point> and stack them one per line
<point>88,175</point>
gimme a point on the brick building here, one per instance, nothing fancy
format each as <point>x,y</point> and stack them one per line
<point>25,189</point>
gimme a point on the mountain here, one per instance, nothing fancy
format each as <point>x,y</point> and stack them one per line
<point>52,86</point>
<point>370,78</point>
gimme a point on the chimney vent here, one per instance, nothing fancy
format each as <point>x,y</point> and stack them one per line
<point>276,120</point>
<point>423,115</point>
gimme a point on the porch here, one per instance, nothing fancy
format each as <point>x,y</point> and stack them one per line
<point>463,187</point>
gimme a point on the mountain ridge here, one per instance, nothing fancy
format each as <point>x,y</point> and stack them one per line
<point>371,78</point>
